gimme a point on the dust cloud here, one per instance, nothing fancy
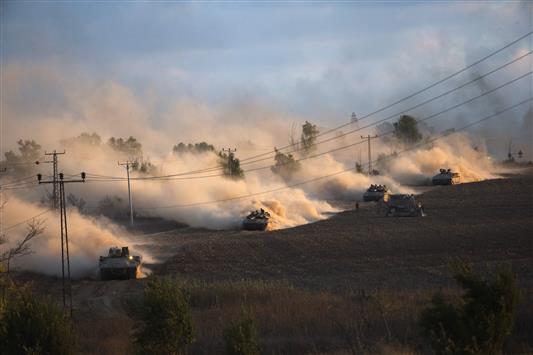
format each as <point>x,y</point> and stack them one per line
<point>88,239</point>
<point>203,199</point>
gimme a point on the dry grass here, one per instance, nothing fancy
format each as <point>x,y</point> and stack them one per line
<point>290,320</point>
<point>104,336</point>
<point>296,321</point>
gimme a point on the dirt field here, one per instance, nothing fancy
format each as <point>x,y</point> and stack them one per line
<point>485,222</point>
<point>307,284</point>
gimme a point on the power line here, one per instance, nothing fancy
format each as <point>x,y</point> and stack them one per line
<point>393,156</point>
<point>24,221</point>
<point>21,180</point>
<point>127,164</point>
<point>408,109</point>
<point>21,187</point>
<point>334,149</point>
<point>416,92</point>
<point>246,161</point>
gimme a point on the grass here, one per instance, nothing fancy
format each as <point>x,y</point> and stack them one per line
<point>292,320</point>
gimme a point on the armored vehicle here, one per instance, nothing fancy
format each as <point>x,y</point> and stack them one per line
<point>400,205</point>
<point>119,264</point>
<point>256,220</point>
<point>446,177</point>
<point>375,193</point>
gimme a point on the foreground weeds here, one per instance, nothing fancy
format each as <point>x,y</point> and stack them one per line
<point>290,320</point>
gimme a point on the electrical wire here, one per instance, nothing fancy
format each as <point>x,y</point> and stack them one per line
<point>108,179</point>
<point>246,161</point>
<point>26,220</point>
<point>392,156</point>
<point>417,92</point>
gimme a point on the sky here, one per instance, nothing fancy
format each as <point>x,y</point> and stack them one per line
<point>319,61</point>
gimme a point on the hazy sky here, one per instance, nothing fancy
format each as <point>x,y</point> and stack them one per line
<point>321,60</point>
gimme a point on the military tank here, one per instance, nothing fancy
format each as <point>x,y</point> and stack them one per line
<point>446,177</point>
<point>375,193</point>
<point>401,205</point>
<point>256,220</point>
<point>119,264</point>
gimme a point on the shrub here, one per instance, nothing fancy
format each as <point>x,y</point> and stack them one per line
<point>406,130</point>
<point>29,325</point>
<point>166,324</point>
<point>241,337</point>
<point>285,165</point>
<point>480,321</point>
<point>197,148</point>
<point>231,166</point>
<point>308,137</point>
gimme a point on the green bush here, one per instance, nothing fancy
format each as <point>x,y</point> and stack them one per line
<point>285,165</point>
<point>166,325</point>
<point>29,325</point>
<point>231,166</point>
<point>241,337</point>
<point>479,322</point>
<point>308,137</point>
<point>406,130</point>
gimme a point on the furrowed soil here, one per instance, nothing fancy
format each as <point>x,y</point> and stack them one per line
<point>307,284</point>
<point>484,222</point>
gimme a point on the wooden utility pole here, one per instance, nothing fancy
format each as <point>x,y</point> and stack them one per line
<point>55,191</point>
<point>368,138</point>
<point>127,164</point>
<point>65,254</point>
<point>230,159</point>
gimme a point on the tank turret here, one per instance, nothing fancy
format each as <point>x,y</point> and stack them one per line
<point>446,177</point>
<point>375,193</point>
<point>256,220</point>
<point>119,264</point>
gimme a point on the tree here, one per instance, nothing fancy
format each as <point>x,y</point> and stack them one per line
<point>77,202</point>
<point>406,130</point>
<point>358,168</point>
<point>479,322</point>
<point>197,148</point>
<point>384,130</point>
<point>24,162</point>
<point>84,139</point>
<point>130,147</point>
<point>144,166</point>
<point>241,337</point>
<point>285,165</point>
<point>309,134</point>
<point>293,137</point>
<point>166,324</point>
<point>21,247</point>
<point>31,325</point>
<point>231,166</point>
<point>113,207</point>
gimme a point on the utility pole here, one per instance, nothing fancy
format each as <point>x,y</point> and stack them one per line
<point>510,151</point>
<point>354,120</point>
<point>368,138</point>
<point>55,194</point>
<point>230,159</point>
<point>127,164</point>
<point>65,255</point>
